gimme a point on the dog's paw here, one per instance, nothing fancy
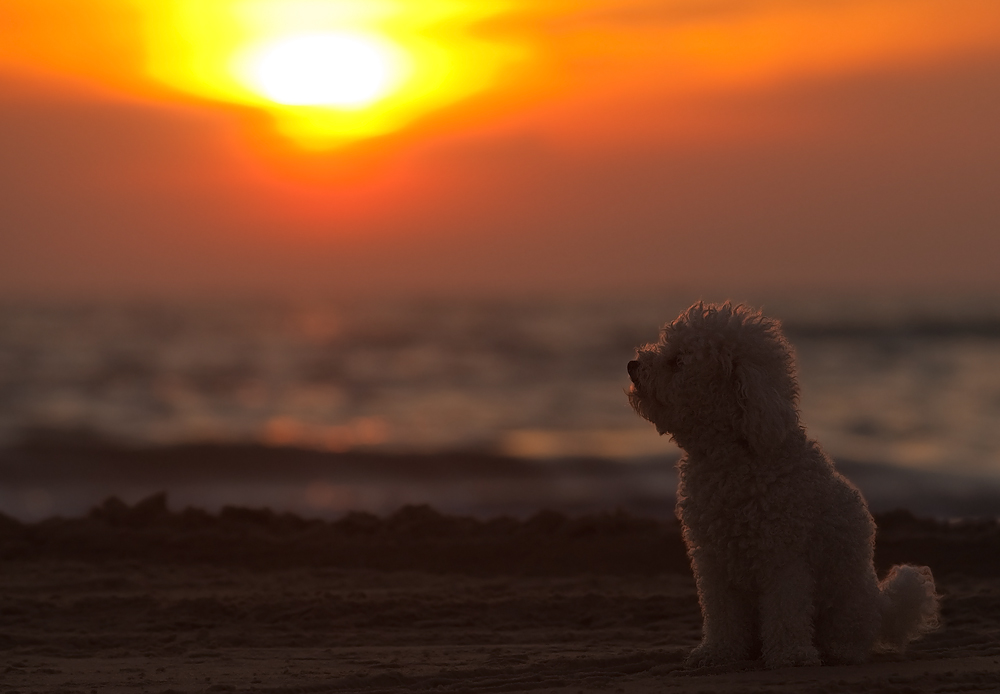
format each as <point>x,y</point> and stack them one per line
<point>792,657</point>
<point>713,655</point>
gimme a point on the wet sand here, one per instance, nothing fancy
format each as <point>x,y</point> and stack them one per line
<point>142,599</point>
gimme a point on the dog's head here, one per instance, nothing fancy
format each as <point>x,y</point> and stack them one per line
<point>718,372</point>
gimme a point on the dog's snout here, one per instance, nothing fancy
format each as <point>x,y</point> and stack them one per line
<point>633,370</point>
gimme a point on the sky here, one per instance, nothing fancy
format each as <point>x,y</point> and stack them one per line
<point>344,147</point>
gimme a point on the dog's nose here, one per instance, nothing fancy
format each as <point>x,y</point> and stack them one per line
<point>633,370</point>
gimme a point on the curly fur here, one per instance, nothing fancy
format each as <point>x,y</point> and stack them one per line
<point>780,543</point>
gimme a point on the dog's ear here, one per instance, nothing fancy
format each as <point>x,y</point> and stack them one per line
<point>768,415</point>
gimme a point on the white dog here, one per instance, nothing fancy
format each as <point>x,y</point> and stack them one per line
<point>780,543</point>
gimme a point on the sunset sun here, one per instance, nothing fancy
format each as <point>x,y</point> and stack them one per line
<point>344,70</point>
<point>327,72</point>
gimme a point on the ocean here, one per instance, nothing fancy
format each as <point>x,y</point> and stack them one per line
<point>904,393</point>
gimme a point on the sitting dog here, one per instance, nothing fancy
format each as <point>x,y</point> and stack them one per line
<point>780,543</point>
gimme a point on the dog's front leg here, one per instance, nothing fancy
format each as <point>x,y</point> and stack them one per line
<point>727,613</point>
<point>786,615</point>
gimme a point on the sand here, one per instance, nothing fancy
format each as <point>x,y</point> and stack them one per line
<point>140,599</point>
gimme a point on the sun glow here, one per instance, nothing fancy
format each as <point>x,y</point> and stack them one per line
<point>330,72</point>
<point>330,69</point>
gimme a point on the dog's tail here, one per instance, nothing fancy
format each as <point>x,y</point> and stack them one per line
<point>909,604</point>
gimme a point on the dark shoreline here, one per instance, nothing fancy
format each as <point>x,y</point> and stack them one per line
<point>419,538</point>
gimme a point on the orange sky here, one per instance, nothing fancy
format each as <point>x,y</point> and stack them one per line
<point>593,145</point>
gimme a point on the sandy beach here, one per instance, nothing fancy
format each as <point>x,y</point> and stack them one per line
<point>143,599</point>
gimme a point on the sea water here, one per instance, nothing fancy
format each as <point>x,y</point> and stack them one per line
<point>895,381</point>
